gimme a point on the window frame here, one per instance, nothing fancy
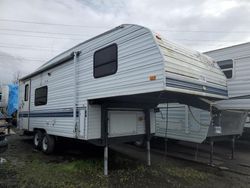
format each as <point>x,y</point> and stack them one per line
<point>26,92</point>
<point>116,61</point>
<point>35,98</point>
<point>227,69</point>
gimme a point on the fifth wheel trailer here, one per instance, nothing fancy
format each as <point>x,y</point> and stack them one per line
<point>234,61</point>
<point>105,89</point>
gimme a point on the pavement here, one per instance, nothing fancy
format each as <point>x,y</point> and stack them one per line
<point>195,153</point>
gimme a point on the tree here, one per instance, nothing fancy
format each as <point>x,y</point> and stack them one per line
<point>16,77</point>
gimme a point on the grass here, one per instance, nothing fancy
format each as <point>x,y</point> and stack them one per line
<point>89,173</point>
<point>27,168</point>
<point>79,173</point>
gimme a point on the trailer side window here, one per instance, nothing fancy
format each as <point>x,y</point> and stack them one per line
<point>26,92</point>
<point>105,61</point>
<point>41,95</point>
<point>226,67</point>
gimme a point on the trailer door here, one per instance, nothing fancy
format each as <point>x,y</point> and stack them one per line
<point>24,105</point>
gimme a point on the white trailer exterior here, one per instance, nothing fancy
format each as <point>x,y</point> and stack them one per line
<point>186,123</point>
<point>176,121</point>
<point>105,88</point>
<point>4,96</point>
<point>146,64</point>
<point>235,61</point>
<point>239,82</point>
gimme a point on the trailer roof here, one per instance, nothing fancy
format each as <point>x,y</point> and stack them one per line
<point>68,54</point>
<point>233,46</point>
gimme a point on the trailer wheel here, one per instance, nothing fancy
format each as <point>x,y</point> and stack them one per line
<point>48,144</point>
<point>140,143</point>
<point>37,139</point>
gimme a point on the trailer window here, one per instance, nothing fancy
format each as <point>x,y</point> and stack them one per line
<point>105,61</point>
<point>26,92</point>
<point>226,67</point>
<point>41,95</point>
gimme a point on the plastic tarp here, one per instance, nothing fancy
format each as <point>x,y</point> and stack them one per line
<point>13,99</point>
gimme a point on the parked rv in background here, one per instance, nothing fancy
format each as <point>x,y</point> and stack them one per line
<point>8,111</point>
<point>9,99</point>
<point>4,96</point>
<point>234,61</point>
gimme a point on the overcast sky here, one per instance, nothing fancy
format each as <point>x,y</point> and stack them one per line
<point>33,31</point>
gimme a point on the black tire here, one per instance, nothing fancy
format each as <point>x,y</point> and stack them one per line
<point>48,144</point>
<point>14,122</point>
<point>3,144</point>
<point>37,139</point>
<point>140,143</point>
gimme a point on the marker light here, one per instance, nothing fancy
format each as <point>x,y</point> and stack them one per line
<point>152,77</point>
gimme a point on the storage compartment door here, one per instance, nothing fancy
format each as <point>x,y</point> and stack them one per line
<point>122,123</point>
<point>82,124</point>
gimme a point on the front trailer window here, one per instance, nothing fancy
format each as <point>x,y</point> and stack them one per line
<point>226,67</point>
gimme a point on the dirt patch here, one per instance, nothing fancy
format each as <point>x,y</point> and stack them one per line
<point>76,164</point>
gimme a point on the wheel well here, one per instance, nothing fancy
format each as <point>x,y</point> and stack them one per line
<point>37,129</point>
<point>43,131</point>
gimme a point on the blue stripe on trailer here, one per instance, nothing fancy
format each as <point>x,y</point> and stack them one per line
<point>47,114</point>
<point>170,82</point>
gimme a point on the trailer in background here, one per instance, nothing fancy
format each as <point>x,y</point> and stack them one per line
<point>234,61</point>
<point>9,103</point>
<point>4,96</point>
<point>8,112</point>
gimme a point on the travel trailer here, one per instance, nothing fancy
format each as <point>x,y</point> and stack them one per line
<point>105,89</point>
<point>4,95</point>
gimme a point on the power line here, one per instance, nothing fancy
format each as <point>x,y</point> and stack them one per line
<point>13,34</point>
<point>91,35</point>
<point>56,24</point>
<point>105,27</point>
<point>203,31</point>
<point>26,48</point>
<point>192,44</point>
<point>23,58</point>
<point>52,37</point>
<point>205,40</point>
<point>42,32</point>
